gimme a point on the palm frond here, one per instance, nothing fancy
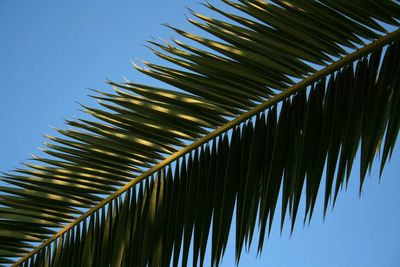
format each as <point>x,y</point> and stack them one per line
<point>250,113</point>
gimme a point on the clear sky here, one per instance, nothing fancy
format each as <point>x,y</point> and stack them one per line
<point>51,52</point>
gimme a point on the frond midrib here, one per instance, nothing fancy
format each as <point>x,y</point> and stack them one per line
<point>329,69</point>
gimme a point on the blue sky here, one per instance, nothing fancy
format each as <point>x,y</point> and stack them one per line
<point>51,52</point>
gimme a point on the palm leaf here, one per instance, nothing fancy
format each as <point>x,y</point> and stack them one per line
<point>284,90</point>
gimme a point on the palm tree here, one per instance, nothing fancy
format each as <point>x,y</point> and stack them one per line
<point>283,91</point>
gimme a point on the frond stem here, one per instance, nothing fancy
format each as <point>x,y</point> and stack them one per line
<point>359,53</point>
